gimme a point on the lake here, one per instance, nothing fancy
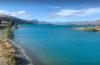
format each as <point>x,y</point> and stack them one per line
<point>59,45</point>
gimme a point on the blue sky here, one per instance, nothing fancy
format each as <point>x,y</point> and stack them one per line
<point>52,10</point>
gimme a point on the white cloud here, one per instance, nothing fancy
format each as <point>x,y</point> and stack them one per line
<point>17,13</point>
<point>80,12</point>
<point>3,12</point>
<point>22,13</point>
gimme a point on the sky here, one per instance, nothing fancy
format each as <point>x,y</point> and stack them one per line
<point>52,10</point>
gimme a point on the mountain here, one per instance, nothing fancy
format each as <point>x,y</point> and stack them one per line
<point>97,22</point>
<point>39,22</point>
<point>15,19</point>
<point>22,21</point>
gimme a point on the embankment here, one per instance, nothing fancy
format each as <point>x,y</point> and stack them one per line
<point>12,54</point>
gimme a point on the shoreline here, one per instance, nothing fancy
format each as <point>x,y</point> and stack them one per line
<point>12,53</point>
<point>21,53</point>
<point>87,28</point>
<point>78,28</point>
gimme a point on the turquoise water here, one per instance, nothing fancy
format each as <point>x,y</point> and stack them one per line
<point>59,45</point>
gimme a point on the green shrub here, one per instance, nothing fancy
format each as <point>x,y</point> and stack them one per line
<point>9,31</point>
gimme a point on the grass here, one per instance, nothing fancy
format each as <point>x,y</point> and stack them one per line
<point>90,29</point>
<point>9,30</point>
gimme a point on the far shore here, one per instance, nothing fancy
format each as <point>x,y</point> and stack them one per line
<point>97,28</point>
<point>78,28</point>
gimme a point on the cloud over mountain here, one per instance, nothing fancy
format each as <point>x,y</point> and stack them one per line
<point>72,12</point>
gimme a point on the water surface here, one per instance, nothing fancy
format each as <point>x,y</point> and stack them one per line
<point>59,45</point>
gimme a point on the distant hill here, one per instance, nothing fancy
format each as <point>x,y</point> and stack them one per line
<point>15,19</point>
<point>39,22</point>
<point>97,22</point>
<point>22,21</point>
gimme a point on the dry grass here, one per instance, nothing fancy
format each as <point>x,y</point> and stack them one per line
<point>9,52</point>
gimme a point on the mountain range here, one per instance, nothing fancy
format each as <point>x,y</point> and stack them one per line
<point>97,22</point>
<point>15,19</point>
<point>22,21</point>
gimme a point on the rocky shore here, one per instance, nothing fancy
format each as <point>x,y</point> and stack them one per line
<point>7,53</point>
<point>24,59</point>
<point>12,54</point>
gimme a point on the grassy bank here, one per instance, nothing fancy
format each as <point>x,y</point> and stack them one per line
<point>87,29</point>
<point>90,29</point>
